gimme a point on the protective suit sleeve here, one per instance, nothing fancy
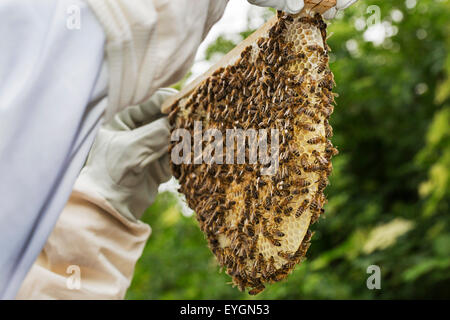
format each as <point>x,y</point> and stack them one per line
<point>91,253</point>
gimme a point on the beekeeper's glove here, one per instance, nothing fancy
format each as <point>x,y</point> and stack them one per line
<point>295,6</point>
<point>129,158</point>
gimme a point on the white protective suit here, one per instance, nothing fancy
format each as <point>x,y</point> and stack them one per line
<point>56,76</point>
<point>52,82</point>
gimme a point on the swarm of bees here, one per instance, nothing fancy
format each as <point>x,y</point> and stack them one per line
<point>257,225</point>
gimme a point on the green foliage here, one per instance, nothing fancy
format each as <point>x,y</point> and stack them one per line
<point>220,46</point>
<point>389,197</point>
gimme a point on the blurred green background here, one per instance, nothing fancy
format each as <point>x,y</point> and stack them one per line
<point>389,197</point>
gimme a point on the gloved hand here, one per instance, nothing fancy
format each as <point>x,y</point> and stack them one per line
<point>295,6</point>
<point>129,158</point>
<point>340,5</point>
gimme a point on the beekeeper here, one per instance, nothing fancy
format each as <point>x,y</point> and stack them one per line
<point>69,66</point>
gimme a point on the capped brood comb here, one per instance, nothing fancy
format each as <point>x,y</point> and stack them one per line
<point>258,225</point>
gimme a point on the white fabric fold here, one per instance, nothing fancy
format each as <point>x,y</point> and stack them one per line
<point>151,43</point>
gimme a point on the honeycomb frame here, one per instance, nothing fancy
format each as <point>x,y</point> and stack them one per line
<point>258,227</point>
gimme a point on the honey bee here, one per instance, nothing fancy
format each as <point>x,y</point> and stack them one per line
<point>322,67</point>
<point>302,208</point>
<point>256,290</point>
<point>289,136</point>
<point>297,170</point>
<point>302,94</point>
<point>327,84</point>
<point>275,242</point>
<point>314,205</point>
<point>278,220</point>
<point>261,183</point>
<point>298,79</point>
<point>278,233</point>
<point>287,256</point>
<point>316,140</point>
<point>326,112</point>
<point>278,276</point>
<point>286,201</point>
<point>284,156</point>
<point>310,113</point>
<point>284,173</point>
<point>261,42</point>
<point>173,114</point>
<point>314,48</point>
<point>322,184</point>
<point>331,151</point>
<point>302,183</point>
<point>319,158</point>
<point>308,127</point>
<point>289,18</point>
<point>250,231</point>
<point>295,152</point>
<point>287,211</point>
<point>278,209</point>
<point>230,204</point>
<point>328,130</point>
